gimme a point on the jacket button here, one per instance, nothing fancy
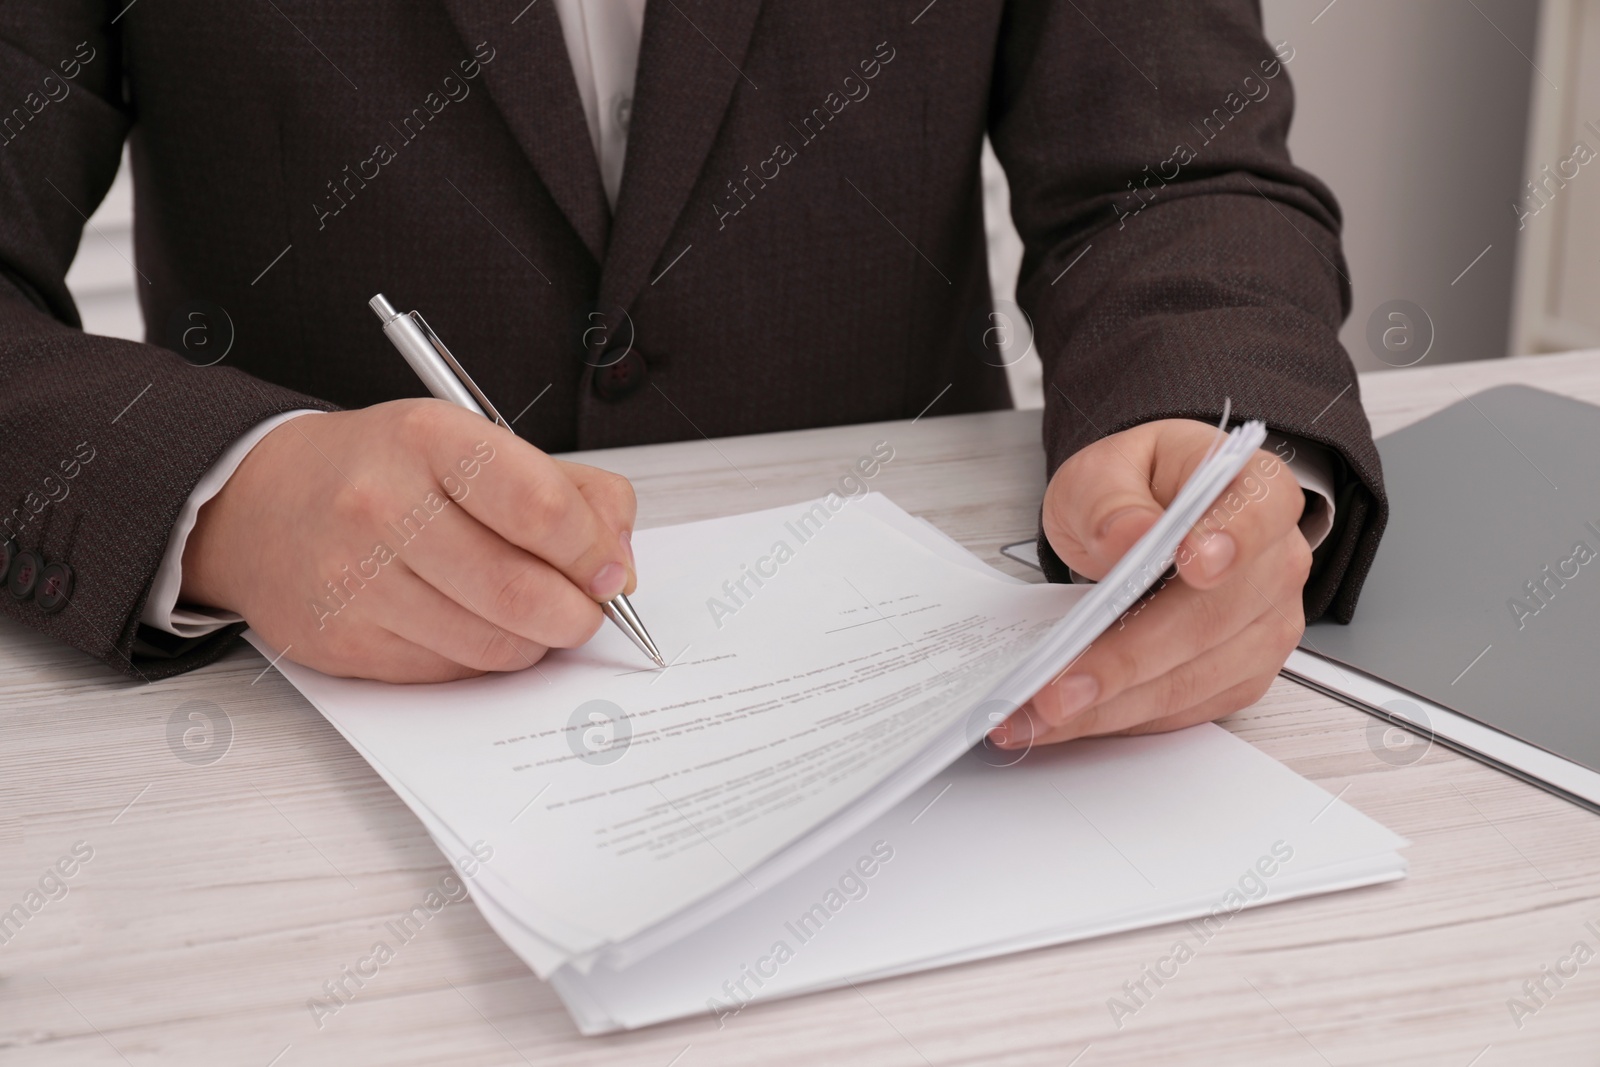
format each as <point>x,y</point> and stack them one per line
<point>619,374</point>
<point>24,574</point>
<point>55,586</point>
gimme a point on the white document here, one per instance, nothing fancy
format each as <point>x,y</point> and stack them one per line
<point>1074,842</point>
<point>1057,835</point>
<point>825,662</point>
<point>992,857</point>
<point>859,651</point>
<point>792,772</point>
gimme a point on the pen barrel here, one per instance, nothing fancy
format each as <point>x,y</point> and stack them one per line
<point>446,379</point>
<point>419,352</point>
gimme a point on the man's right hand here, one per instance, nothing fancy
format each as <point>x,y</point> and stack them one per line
<point>411,541</point>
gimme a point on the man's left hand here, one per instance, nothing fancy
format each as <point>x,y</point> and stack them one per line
<point>1209,642</point>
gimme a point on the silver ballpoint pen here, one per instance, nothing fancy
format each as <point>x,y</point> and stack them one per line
<point>444,378</point>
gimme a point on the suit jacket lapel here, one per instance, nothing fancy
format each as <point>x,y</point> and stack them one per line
<point>682,88</point>
<point>531,82</point>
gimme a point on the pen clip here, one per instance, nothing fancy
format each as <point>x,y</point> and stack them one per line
<point>459,371</point>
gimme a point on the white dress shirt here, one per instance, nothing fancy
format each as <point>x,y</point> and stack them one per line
<point>602,38</point>
<point>603,43</point>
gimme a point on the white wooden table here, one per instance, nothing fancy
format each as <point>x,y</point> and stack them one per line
<point>226,887</point>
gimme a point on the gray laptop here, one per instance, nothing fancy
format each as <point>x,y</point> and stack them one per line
<point>1484,599</point>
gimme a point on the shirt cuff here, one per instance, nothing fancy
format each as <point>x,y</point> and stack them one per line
<point>1312,467</point>
<point>161,609</point>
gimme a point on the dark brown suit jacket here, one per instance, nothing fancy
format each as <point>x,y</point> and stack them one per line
<point>798,240</point>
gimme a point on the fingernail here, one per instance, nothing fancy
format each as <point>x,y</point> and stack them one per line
<point>1216,554</point>
<point>627,546</point>
<point>1073,695</point>
<point>1001,734</point>
<point>611,580</point>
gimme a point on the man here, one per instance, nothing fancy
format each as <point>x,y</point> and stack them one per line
<point>642,223</point>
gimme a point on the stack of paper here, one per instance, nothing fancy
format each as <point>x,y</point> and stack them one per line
<point>1074,841</point>
<point>788,778</point>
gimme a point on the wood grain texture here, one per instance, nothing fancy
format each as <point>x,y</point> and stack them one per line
<point>222,894</point>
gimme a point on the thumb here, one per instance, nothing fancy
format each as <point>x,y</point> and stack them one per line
<point>1099,503</point>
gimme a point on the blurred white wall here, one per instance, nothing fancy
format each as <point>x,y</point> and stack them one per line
<point>1558,212</point>
<point>1415,112</point>
<point>1023,368</point>
<point>102,277</point>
